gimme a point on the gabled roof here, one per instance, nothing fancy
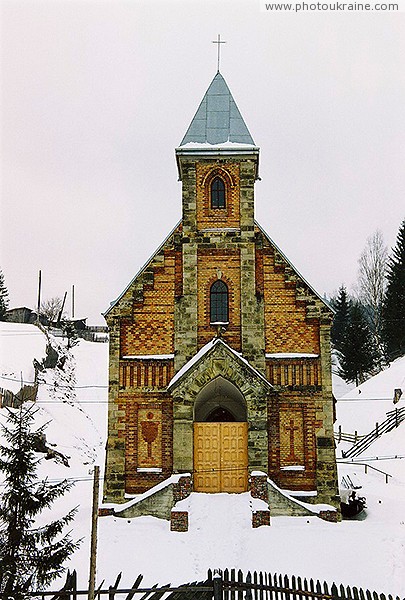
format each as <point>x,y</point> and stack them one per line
<point>146,264</point>
<point>217,119</point>
<point>209,348</point>
<point>310,287</point>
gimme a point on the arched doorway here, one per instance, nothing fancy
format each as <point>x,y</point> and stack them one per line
<point>220,438</point>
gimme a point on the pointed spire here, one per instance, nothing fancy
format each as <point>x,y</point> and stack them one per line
<point>217,119</point>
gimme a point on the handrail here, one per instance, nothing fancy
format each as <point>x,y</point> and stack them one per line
<point>366,467</point>
<point>393,420</point>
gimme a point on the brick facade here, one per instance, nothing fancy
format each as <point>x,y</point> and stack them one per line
<point>276,322</point>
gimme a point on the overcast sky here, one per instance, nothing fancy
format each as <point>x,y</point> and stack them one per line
<point>96,96</point>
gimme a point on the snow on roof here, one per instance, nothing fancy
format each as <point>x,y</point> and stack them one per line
<point>149,356</point>
<point>291,355</point>
<point>209,146</point>
<point>205,350</point>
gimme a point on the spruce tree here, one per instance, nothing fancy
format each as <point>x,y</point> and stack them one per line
<point>357,353</point>
<point>3,297</point>
<point>30,556</point>
<point>394,301</point>
<point>341,304</point>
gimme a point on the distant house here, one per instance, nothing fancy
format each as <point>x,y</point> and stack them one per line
<point>20,315</point>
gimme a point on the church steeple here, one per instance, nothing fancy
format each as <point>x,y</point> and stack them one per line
<point>217,119</point>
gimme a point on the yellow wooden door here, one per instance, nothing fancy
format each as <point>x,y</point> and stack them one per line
<point>220,457</point>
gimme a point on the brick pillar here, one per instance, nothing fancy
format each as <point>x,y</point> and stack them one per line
<point>182,489</point>
<point>258,486</point>
<point>258,489</point>
<point>114,480</point>
<point>326,475</point>
<point>252,310</point>
<point>179,520</point>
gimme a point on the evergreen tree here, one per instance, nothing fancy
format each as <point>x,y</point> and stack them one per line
<point>394,301</point>
<point>30,557</point>
<point>357,354</point>
<point>3,297</point>
<point>341,304</point>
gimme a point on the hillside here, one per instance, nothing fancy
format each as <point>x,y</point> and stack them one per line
<point>369,552</point>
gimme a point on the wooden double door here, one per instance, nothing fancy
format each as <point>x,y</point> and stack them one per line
<point>220,457</point>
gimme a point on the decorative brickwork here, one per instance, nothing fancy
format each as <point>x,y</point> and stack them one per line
<point>292,447</point>
<point>147,430</point>
<point>151,374</point>
<point>207,217</point>
<point>179,520</point>
<point>273,367</point>
<point>294,372</point>
<point>214,264</point>
<point>287,326</point>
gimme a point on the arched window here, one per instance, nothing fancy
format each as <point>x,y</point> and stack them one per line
<point>219,302</point>
<point>217,193</point>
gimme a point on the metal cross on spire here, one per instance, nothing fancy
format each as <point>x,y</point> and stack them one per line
<point>219,42</point>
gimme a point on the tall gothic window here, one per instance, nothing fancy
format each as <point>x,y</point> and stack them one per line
<point>219,302</point>
<point>217,193</point>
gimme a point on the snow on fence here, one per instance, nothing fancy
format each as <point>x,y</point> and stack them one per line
<point>393,420</point>
<point>221,585</point>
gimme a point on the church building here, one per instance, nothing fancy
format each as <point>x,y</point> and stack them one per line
<point>220,361</point>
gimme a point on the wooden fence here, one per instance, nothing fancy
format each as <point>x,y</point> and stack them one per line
<point>220,585</point>
<point>394,419</point>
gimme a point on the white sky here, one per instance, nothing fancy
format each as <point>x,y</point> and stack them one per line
<point>96,96</point>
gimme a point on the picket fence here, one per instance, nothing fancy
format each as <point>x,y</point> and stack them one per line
<point>220,585</point>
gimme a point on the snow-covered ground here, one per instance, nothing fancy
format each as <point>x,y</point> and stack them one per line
<point>368,552</point>
<point>360,408</point>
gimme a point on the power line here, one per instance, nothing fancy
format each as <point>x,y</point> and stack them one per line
<point>70,387</point>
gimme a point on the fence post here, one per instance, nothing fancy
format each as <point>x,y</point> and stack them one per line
<point>217,585</point>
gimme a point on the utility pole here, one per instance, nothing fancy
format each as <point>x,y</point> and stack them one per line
<point>61,310</point>
<point>39,295</point>
<point>93,543</point>
<point>73,302</point>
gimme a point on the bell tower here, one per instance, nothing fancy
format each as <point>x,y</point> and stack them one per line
<point>218,166</point>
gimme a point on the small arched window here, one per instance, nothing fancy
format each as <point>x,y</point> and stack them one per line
<point>219,302</point>
<point>217,193</point>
